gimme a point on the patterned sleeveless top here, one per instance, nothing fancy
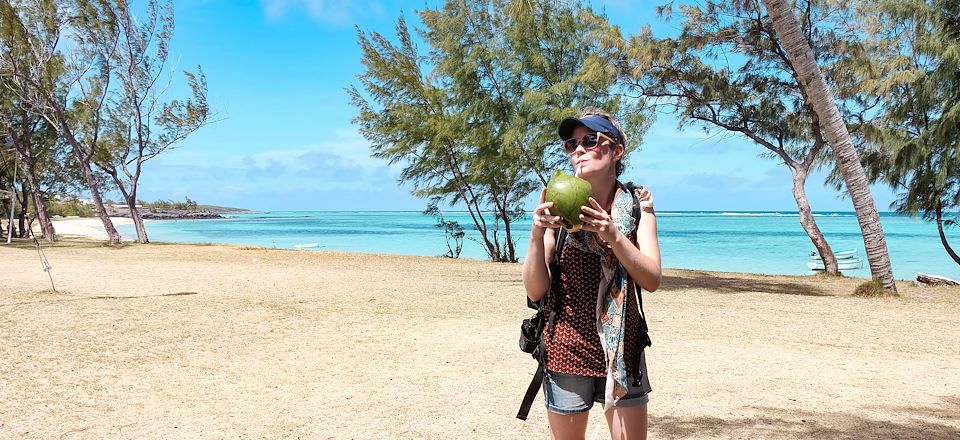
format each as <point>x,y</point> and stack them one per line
<point>573,344</point>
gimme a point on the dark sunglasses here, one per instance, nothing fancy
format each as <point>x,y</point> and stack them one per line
<point>589,142</point>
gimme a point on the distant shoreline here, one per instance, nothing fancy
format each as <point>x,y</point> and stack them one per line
<point>203,212</point>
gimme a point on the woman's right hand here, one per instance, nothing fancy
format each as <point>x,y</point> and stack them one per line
<point>542,219</point>
<point>646,199</point>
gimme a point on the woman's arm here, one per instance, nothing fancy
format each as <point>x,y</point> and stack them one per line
<point>641,259</point>
<point>649,271</point>
<point>536,265</point>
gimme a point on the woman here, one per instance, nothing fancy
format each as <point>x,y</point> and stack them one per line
<point>594,347</point>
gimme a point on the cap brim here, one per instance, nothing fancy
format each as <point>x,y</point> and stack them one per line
<point>593,122</point>
<point>565,130</point>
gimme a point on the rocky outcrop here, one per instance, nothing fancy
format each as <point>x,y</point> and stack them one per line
<point>176,214</point>
<point>161,213</point>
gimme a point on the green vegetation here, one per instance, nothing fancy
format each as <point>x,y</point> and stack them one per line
<point>913,64</point>
<point>452,230</point>
<point>473,119</point>
<point>221,209</point>
<point>69,207</point>
<point>82,104</point>
<point>801,53</point>
<point>728,71</point>
<point>186,205</point>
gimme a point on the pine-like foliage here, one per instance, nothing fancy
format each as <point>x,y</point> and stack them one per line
<point>915,68</point>
<point>92,70</point>
<point>473,120</point>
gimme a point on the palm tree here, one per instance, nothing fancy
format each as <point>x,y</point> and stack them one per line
<point>835,130</point>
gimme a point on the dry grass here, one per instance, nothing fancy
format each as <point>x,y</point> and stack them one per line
<point>176,341</point>
<point>872,289</point>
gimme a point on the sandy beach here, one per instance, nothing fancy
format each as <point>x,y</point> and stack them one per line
<point>88,227</point>
<point>176,341</point>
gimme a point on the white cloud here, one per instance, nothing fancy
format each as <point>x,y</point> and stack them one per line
<point>340,163</point>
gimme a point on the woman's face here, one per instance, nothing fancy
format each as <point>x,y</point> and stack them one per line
<point>599,160</point>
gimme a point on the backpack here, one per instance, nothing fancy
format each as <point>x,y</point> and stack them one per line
<point>531,330</point>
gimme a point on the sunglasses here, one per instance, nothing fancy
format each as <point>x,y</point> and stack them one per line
<point>589,142</point>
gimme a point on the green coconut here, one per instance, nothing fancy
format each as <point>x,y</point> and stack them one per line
<point>568,193</point>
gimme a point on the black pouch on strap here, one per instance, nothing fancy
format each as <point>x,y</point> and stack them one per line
<point>531,330</point>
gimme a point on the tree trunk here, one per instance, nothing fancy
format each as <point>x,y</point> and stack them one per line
<point>91,180</point>
<point>835,131</point>
<point>943,237</point>
<point>22,215</point>
<point>137,220</point>
<point>809,223</point>
<point>92,185</point>
<point>511,256</point>
<point>130,198</point>
<point>46,226</point>
<point>511,249</point>
<point>470,199</point>
<point>5,217</point>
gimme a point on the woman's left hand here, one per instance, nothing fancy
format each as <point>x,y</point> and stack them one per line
<point>597,220</point>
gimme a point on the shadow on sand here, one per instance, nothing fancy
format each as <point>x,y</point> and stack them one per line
<point>87,298</point>
<point>804,425</point>
<point>67,241</point>
<point>693,279</point>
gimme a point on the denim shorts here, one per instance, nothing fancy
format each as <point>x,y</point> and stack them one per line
<point>571,394</point>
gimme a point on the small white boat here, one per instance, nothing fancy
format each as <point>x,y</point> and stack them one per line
<point>307,245</point>
<point>845,264</point>
<point>849,253</point>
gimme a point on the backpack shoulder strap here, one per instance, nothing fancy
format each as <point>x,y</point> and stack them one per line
<point>633,189</point>
<point>561,240</point>
<point>537,381</point>
<point>555,270</point>
<point>643,339</point>
<point>637,212</point>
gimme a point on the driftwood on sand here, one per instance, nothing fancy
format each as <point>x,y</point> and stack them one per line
<point>924,279</point>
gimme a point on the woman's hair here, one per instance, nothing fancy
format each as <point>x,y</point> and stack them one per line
<point>587,111</point>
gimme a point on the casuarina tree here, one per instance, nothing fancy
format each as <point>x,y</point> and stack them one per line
<point>473,120</point>
<point>913,64</point>
<point>141,125</point>
<point>69,92</point>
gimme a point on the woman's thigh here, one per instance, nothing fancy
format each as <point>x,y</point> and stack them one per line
<point>568,399</point>
<point>627,422</point>
<point>568,426</point>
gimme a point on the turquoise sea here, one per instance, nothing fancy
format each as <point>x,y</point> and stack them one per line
<point>758,242</point>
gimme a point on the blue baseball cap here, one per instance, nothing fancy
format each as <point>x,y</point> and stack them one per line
<point>593,122</point>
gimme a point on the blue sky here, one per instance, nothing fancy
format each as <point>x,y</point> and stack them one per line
<point>277,72</point>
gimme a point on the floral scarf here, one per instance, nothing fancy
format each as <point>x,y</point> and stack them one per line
<point>614,289</point>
